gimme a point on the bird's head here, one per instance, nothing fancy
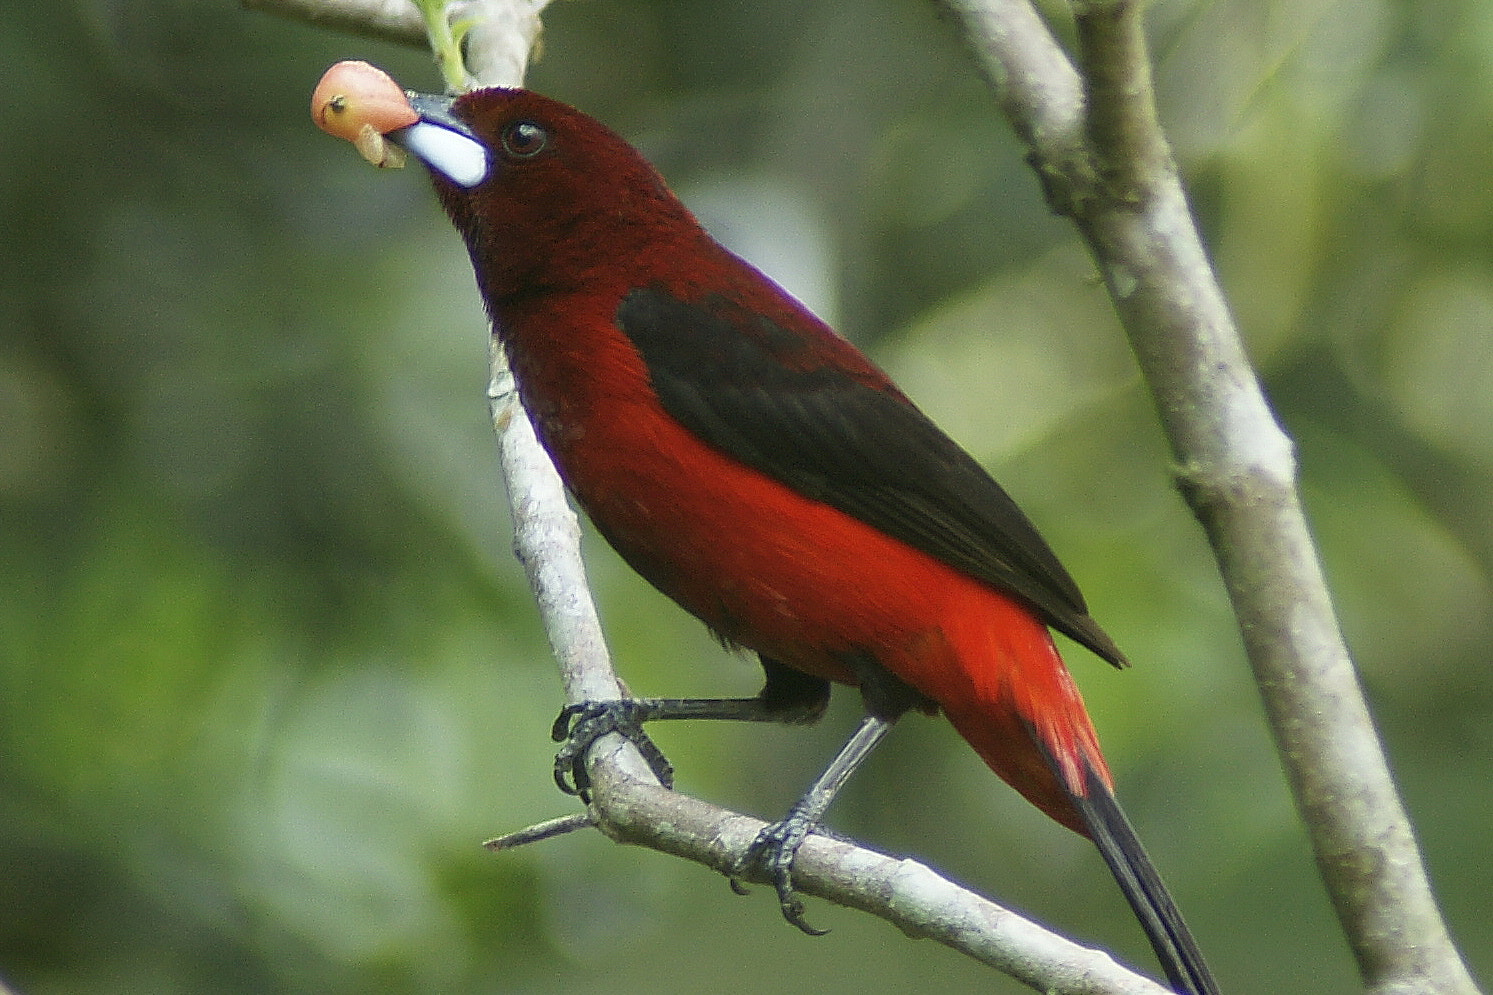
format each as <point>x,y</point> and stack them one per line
<point>533,184</point>
<point>543,194</point>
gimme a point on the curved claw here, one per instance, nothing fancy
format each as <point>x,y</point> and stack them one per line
<point>774,850</point>
<point>560,730</point>
<point>578,726</point>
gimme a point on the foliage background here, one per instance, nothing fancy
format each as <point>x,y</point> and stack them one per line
<point>268,673</point>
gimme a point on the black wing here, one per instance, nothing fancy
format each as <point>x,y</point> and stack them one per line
<point>770,398</point>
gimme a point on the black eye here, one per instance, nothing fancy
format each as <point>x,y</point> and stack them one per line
<point>524,139</point>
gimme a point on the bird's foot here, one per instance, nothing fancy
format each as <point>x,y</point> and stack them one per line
<point>773,853</point>
<point>580,725</point>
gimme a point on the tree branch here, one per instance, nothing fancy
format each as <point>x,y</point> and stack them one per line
<point>903,892</point>
<point>395,21</point>
<point>1235,465</point>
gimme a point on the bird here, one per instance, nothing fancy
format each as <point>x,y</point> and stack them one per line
<point>764,474</point>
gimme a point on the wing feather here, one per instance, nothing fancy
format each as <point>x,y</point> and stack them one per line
<point>785,403</point>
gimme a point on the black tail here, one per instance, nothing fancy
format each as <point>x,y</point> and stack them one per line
<point>1137,877</point>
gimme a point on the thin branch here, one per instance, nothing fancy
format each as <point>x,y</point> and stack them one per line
<point>539,832</point>
<point>400,22</point>
<point>395,21</point>
<point>1036,86</point>
<point>1235,467</point>
<point>1120,112</point>
<point>903,892</point>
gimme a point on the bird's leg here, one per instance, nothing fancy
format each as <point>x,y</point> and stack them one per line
<point>776,846</point>
<point>787,696</point>
<point>887,698</point>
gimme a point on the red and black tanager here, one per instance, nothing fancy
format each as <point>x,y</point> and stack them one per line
<point>763,473</point>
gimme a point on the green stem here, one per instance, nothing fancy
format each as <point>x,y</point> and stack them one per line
<point>445,43</point>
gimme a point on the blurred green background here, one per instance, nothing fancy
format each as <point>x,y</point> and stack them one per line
<point>268,673</point>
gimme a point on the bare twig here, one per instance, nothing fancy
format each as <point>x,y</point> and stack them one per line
<point>397,21</point>
<point>541,831</point>
<point>1235,465</point>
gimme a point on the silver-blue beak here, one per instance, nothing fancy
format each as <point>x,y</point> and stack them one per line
<point>443,142</point>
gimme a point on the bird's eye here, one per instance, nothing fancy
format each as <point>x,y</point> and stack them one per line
<point>524,139</point>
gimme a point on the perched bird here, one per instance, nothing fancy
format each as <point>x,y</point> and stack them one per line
<point>763,473</point>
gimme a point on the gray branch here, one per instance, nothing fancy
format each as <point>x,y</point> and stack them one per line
<point>386,20</point>
<point>1095,141</point>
